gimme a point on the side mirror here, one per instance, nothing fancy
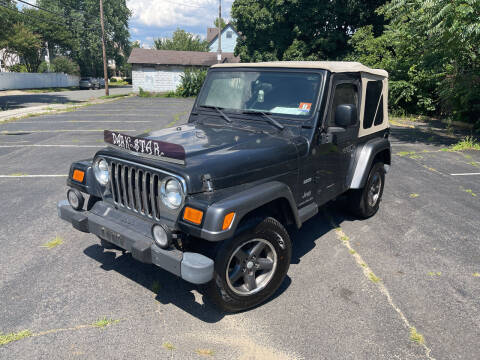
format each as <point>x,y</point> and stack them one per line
<point>345,115</point>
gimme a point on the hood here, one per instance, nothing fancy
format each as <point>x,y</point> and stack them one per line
<point>231,155</point>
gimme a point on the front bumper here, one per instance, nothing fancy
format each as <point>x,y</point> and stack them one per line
<point>134,235</point>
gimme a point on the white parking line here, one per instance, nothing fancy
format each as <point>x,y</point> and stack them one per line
<point>49,145</point>
<point>30,176</point>
<point>465,174</point>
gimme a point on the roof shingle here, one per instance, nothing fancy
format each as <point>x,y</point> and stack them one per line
<point>173,57</point>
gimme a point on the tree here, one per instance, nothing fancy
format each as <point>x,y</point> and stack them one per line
<point>8,17</point>
<point>26,44</point>
<point>431,52</point>
<point>182,41</point>
<point>222,22</point>
<point>302,29</point>
<point>75,31</point>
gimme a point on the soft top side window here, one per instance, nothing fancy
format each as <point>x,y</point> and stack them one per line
<point>345,93</point>
<point>373,104</point>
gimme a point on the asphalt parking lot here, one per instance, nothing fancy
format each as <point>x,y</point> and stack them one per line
<point>355,289</point>
<point>17,99</point>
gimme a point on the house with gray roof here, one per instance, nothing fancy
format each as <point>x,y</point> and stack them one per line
<point>229,37</point>
<point>160,70</point>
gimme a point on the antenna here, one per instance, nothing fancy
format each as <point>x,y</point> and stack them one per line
<point>219,51</point>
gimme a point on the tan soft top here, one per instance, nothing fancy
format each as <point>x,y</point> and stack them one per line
<point>332,66</point>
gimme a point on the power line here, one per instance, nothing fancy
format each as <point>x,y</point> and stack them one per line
<point>65,21</point>
<point>188,5</point>
<point>27,15</point>
<point>38,7</point>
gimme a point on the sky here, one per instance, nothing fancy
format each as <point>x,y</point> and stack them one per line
<point>153,19</point>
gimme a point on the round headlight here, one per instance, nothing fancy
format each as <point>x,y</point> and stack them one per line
<point>172,193</point>
<point>100,168</point>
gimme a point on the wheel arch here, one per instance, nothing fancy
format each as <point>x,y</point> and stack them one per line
<point>268,198</point>
<point>378,149</point>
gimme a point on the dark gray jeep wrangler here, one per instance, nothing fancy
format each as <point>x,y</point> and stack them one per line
<point>265,146</point>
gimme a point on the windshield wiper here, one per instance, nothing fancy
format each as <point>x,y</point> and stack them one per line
<point>267,117</point>
<point>219,110</point>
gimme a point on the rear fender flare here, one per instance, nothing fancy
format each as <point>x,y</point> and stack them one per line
<point>364,160</point>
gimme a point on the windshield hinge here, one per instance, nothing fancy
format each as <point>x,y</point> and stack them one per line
<point>207,183</point>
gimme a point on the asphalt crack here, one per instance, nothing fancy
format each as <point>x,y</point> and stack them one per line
<point>370,275</point>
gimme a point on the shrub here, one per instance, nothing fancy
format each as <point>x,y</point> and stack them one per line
<point>170,94</point>
<point>18,68</point>
<point>63,64</point>
<point>191,83</point>
<point>113,80</point>
<point>43,67</point>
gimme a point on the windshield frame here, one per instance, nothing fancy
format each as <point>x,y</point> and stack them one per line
<point>284,118</point>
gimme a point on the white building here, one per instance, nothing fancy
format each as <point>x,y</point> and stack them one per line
<point>229,39</point>
<point>160,70</point>
<point>8,59</point>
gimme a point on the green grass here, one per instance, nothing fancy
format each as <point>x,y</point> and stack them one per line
<point>148,94</point>
<point>52,89</point>
<point>17,174</point>
<point>416,337</point>
<point>414,195</point>
<point>352,252</point>
<point>8,338</point>
<point>176,118</point>
<point>468,143</point>
<point>204,352</point>
<point>469,191</point>
<point>373,277</point>
<point>168,346</point>
<point>416,157</point>
<point>53,243</point>
<point>476,274</point>
<point>156,286</point>
<point>104,322</point>
<point>115,96</point>
<point>474,163</point>
<point>433,273</point>
<point>406,153</point>
<point>344,238</point>
<point>117,83</point>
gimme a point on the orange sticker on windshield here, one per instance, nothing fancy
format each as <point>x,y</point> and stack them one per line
<point>305,106</point>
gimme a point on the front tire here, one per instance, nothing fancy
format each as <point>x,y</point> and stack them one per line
<point>250,267</point>
<point>365,202</point>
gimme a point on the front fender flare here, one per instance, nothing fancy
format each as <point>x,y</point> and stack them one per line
<point>242,203</point>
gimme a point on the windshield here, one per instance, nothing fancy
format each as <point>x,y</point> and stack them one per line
<point>275,92</point>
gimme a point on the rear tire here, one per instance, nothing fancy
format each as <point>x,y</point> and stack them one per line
<point>250,267</point>
<point>365,202</point>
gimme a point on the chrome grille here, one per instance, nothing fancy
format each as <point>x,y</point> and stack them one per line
<point>135,189</point>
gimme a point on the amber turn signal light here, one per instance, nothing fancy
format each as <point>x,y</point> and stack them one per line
<point>78,175</point>
<point>193,215</point>
<point>227,221</point>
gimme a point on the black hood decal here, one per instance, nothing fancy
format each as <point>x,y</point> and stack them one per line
<point>145,146</point>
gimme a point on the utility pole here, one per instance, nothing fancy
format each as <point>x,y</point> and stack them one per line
<point>219,51</point>
<point>105,70</point>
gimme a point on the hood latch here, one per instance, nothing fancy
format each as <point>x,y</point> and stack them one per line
<point>207,183</point>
